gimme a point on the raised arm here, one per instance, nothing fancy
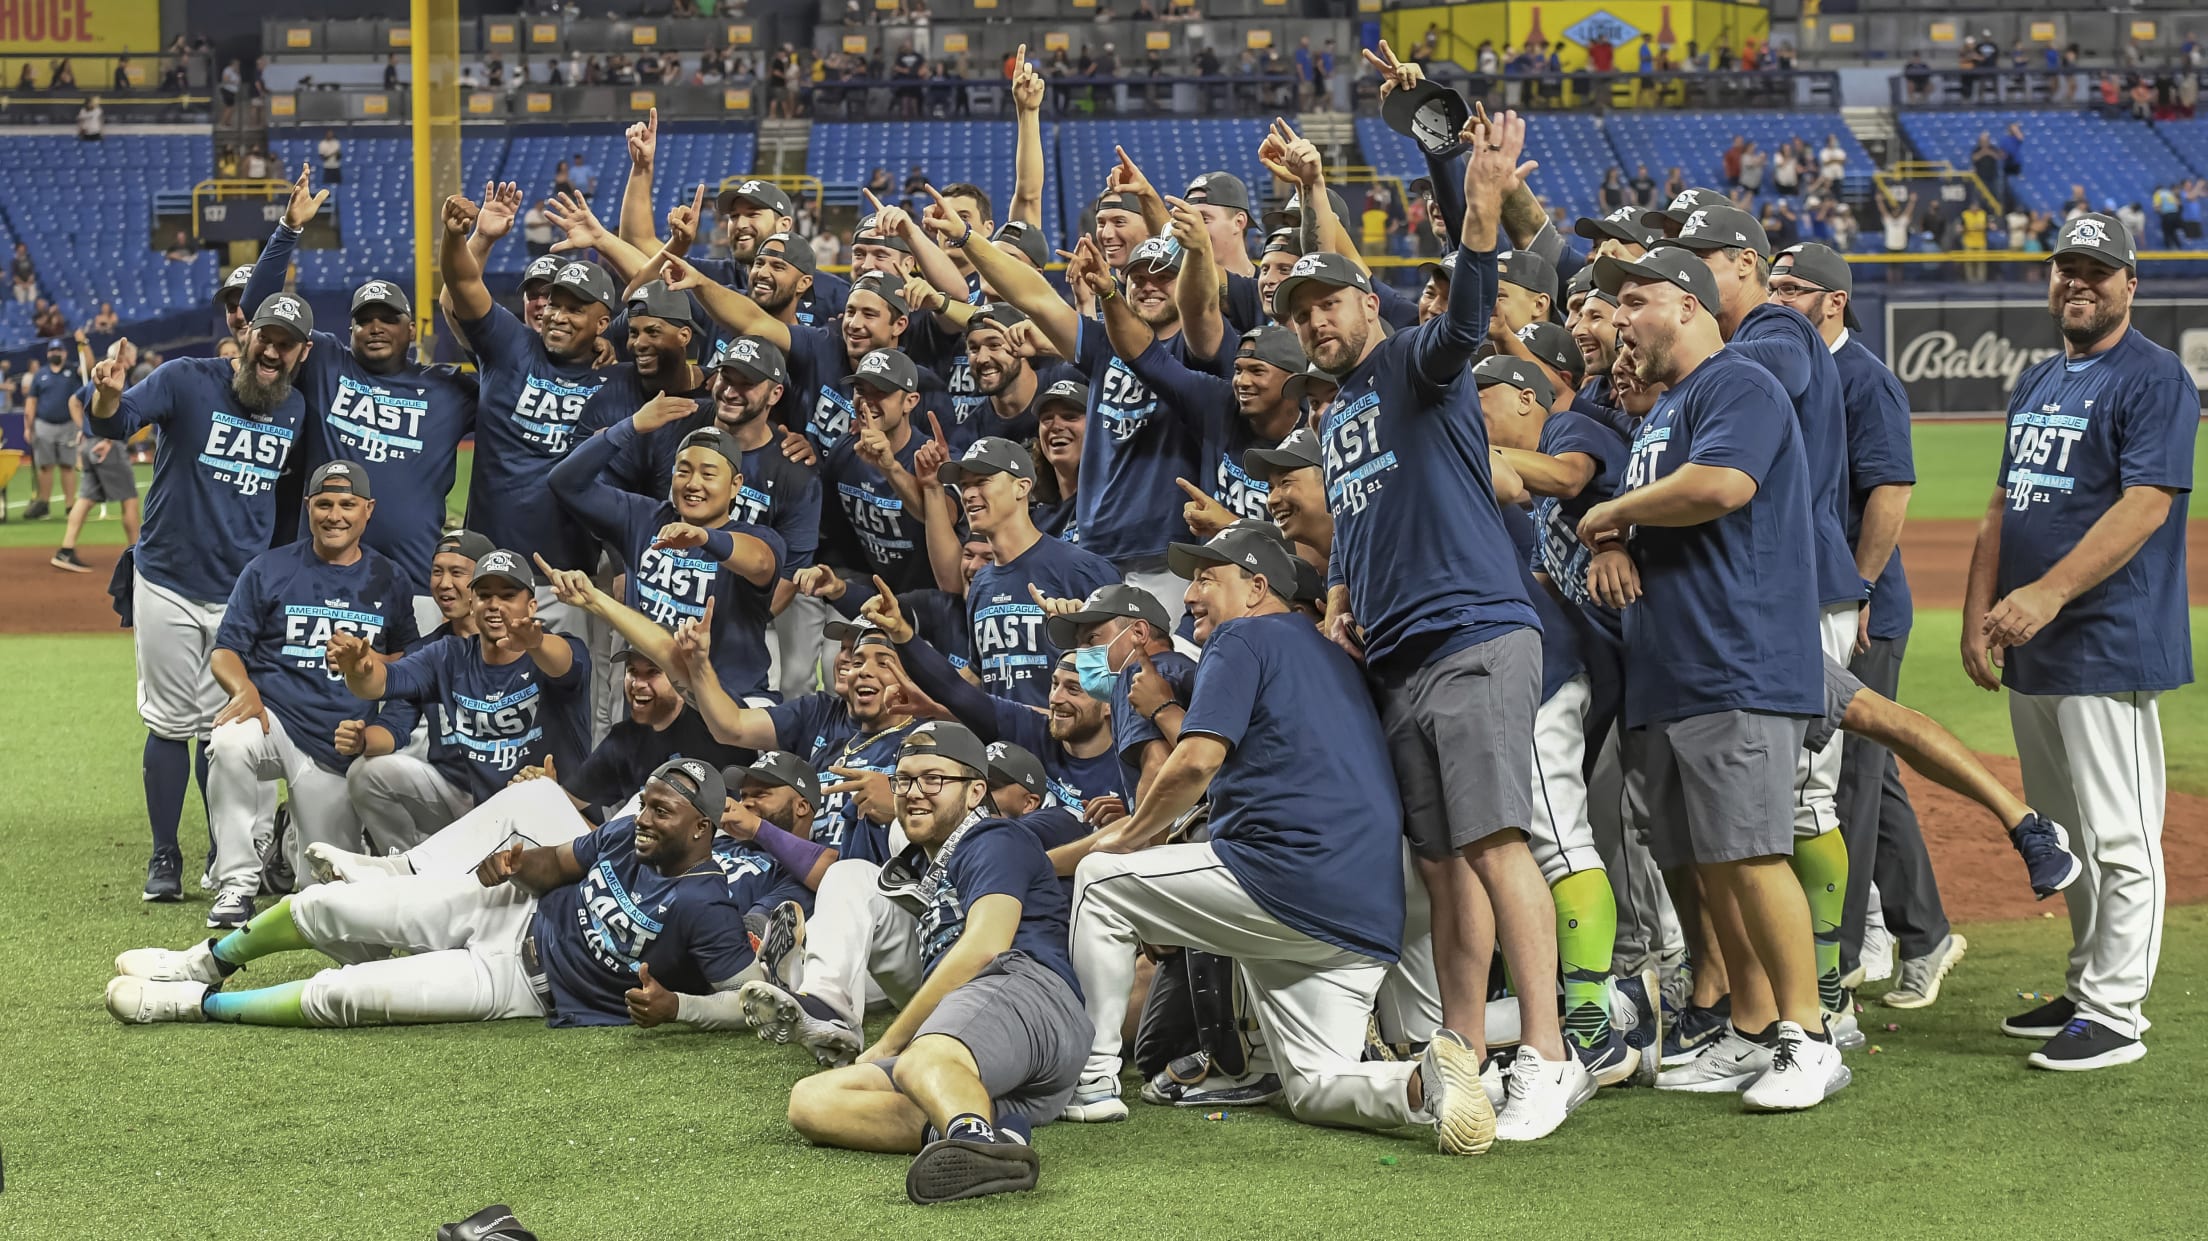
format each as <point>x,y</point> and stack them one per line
<point>1196,293</point>
<point>1024,287</point>
<point>935,266</point>
<point>932,673</point>
<point>572,215</point>
<point>1179,784</point>
<point>729,308</point>
<point>1027,162</point>
<point>267,279</point>
<point>457,262</point>
<point>1295,159</point>
<point>636,196</point>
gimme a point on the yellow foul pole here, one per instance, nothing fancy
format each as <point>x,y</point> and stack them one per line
<point>435,51</point>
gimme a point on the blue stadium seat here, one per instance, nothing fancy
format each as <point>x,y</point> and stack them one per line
<point>844,156</point>
<point>2117,161</point>
<point>1171,153</point>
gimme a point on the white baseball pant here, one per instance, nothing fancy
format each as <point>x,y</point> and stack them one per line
<point>1562,838</point>
<point>243,765</point>
<point>1408,1006</point>
<point>464,943</point>
<point>534,812</point>
<point>401,798</point>
<point>2094,763</point>
<point>1817,776</point>
<point>860,946</point>
<point>1312,999</point>
<point>1648,926</point>
<point>801,659</point>
<point>174,640</point>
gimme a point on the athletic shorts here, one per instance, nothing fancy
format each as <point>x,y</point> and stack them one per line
<point>1841,687</point>
<point>109,481</point>
<point>1720,787</point>
<point>52,444</point>
<point>1460,731</point>
<point>1026,1030</point>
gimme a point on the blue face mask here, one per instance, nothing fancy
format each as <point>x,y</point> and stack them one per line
<point>1094,664</point>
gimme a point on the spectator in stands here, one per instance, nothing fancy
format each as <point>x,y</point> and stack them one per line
<point>105,322</point>
<point>1675,183</point>
<point>256,92</point>
<point>62,76</point>
<point>257,163</point>
<point>2142,100</point>
<point>332,153</point>
<point>181,250</point>
<point>563,180</point>
<point>1918,75</point>
<point>2076,204</point>
<point>536,230</point>
<point>1429,45</point>
<point>585,177</point>
<point>1752,163</point>
<point>1642,187</point>
<point>1832,162</point>
<point>1786,171</point>
<point>176,79</point>
<point>1610,195</point>
<point>1144,12</point>
<point>233,76</point>
<point>1972,224</point>
<point>2134,218</point>
<point>1985,162</point>
<point>47,319</point>
<point>2194,194</point>
<point>121,84</point>
<point>1735,156</point>
<point>1894,216</point>
<point>23,274</point>
<point>391,81</point>
<point>1843,229</point>
<point>827,248</point>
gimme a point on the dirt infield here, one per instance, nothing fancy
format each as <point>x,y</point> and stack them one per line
<point>1937,556</point>
<point>36,597</point>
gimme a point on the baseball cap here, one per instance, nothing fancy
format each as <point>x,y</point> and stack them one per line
<point>589,282</point>
<point>233,285</point>
<point>755,356</point>
<point>1815,263</point>
<point>1444,267</point>
<point>465,543</point>
<point>1283,239</point>
<point>381,293</point>
<point>1290,213</point>
<point>1274,345</point>
<point>2102,236</point>
<point>541,269</point>
<point>57,345</point>
<point>1429,114</point>
<point>1527,270</point>
<point>512,566</point>
<point>756,192</point>
<point>1250,546</point>
<point>882,286</point>
<point>998,315</point>
<point>1066,392</point>
<point>991,454</point>
<point>869,233</point>
<point>1310,583</point>
<point>1669,264</point>
<point>1300,451</point>
<point>719,441</point>
<point>795,251</point>
<point>853,627</point>
<point>1581,284</point>
<point>656,301</point>
<point>1016,764</point>
<point>779,767</point>
<point>339,478</point>
<point>1332,271</point>
<point>944,739</point>
<point>1555,347</point>
<point>1103,604</point>
<point>1116,202</point>
<point>1158,254</point>
<point>285,310</point>
<point>1720,226</point>
<point>1623,224</point>
<point>886,368</point>
<point>624,651</point>
<point>696,782</point>
<point>1219,189</point>
<point>1025,238</point>
<point>1498,368</point>
<point>1671,215</point>
<point>1298,385</point>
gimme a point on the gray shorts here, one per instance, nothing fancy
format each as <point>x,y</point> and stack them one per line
<point>52,444</point>
<point>1026,1030</point>
<point>1841,687</point>
<point>109,481</point>
<point>1720,787</point>
<point>1460,731</point>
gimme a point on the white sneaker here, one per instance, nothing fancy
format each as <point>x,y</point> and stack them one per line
<point>142,1001</point>
<point>1728,1066</point>
<point>1920,976</point>
<point>1449,1076</point>
<point>330,864</point>
<point>1878,951</point>
<point>1096,1101</point>
<point>194,964</point>
<point>1804,1073</point>
<point>1542,1093</point>
<point>1494,1076</point>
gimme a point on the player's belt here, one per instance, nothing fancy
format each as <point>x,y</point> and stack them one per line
<point>538,983</point>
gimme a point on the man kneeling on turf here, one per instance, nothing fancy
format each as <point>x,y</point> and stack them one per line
<point>574,933</point>
<point>992,1041</point>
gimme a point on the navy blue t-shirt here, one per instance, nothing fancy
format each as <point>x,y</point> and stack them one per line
<point>1011,652</point>
<point>212,503</point>
<point>281,614</point>
<point>974,415</point>
<point>646,463</point>
<point>1880,454</point>
<point>820,727</point>
<point>889,540</point>
<point>2078,436</point>
<point>1131,731</point>
<point>819,400</point>
<point>1727,618</point>
<point>531,405</point>
<point>631,752</point>
<point>819,304</point>
<point>1560,555</point>
<point>1784,343</point>
<point>756,882</point>
<point>594,933</point>
<point>783,496</point>
<point>996,857</point>
<point>1418,536</point>
<point>1322,851</point>
<point>52,390</point>
<point>1223,433</point>
<point>1137,443</point>
<point>492,720</point>
<point>1073,780</point>
<point>1560,655</point>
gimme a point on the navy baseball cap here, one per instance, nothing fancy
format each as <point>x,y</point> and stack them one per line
<point>285,310</point>
<point>1498,368</point>
<point>869,233</point>
<point>465,543</point>
<point>57,345</point>
<point>719,441</point>
<point>233,285</point>
<point>1065,392</point>
<point>1107,603</point>
<point>340,478</point>
<point>510,565</point>
<point>696,782</point>
<point>1667,264</point>
<point>1527,270</point>
<point>944,739</point>
<point>656,301</point>
<point>1115,202</point>
<point>1300,451</point>
<point>1444,267</point>
<point>1016,764</point>
<point>1247,547</point>
<point>1323,269</point>
<point>755,192</point>
<point>1720,226</point>
<point>381,293</point>
<point>991,454</point>
<point>999,315</point>
<point>838,628</point>
<point>888,369</point>
<point>795,251</point>
<point>541,269</point>
<point>1026,240</point>
<point>1275,345</point>
<point>1429,114</point>
<point>1283,240</point>
<point>778,767</point>
<point>889,290</point>
<point>1668,218</point>
<point>1555,348</point>
<point>755,356</point>
<point>1821,266</point>
<point>1624,224</point>
<point>1219,189</point>
<point>2100,235</point>
<point>1290,213</point>
<point>591,283</point>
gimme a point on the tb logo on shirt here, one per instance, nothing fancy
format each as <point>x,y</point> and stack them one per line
<point>547,413</point>
<point>376,423</point>
<point>248,455</point>
<point>2039,453</point>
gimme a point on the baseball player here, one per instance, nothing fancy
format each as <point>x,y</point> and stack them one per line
<point>103,468</point>
<point>210,508</point>
<point>874,470</point>
<point>289,716</point>
<point>1273,264</point>
<point>400,421</point>
<point>50,427</point>
<point>1122,647</point>
<point>1294,472</point>
<point>559,932</point>
<point>990,1037</point>
<point>1881,826</point>
<point>1221,203</point>
<point>1450,640</point>
<point>1718,499</point>
<point>2077,597</point>
<point>230,299</point>
<point>1008,385</point>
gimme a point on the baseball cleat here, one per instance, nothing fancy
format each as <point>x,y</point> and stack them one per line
<point>230,911</point>
<point>1920,976</point>
<point>1096,1101</point>
<point>330,864</point>
<point>1696,1031</point>
<point>1449,1074</point>
<point>2086,1044</point>
<point>164,877</point>
<point>1804,1073</point>
<point>1611,1062</point>
<point>1541,1094</point>
<point>2044,1022</point>
<point>785,934</point>
<point>950,1169</point>
<point>769,1010</point>
<point>194,964</point>
<point>142,1001</point>
<point>1249,1090</point>
<point>2045,848</point>
<point>1730,1064</point>
<point>1638,1014</point>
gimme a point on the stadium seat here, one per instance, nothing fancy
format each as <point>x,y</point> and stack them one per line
<point>2117,161</point>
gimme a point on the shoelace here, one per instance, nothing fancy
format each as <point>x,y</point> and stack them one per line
<point>1782,1057</point>
<point>2077,1028</point>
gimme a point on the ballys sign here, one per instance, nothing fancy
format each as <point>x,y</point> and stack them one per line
<point>1964,358</point>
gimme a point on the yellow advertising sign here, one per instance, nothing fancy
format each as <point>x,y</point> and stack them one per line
<point>854,44</point>
<point>1056,41</point>
<point>2043,32</point>
<point>500,33</point>
<point>298,36</point>
<point>644,36</point>
<point>739,35</point>
<point>1942,32</point>
<point>283,105</point>
<point>481,103</point>
<point>954,43</point>
<point>543,34</point>
<point>375,105</point>
<point>642,100</point>
<point>1157,40</point>
<point>1840,32</point>
<point>2144,32</point>
<point>1258,40</point>
<point>71,27</point>
<point>537,101</point>
<point>1573,26</point>
<point>736,99</point>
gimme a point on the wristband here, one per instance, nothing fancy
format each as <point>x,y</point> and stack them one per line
<point>1108,294</point>
<point>1870,586</point>
<point>1153,716</point>
<point>963,238</point>
<point>719,545</point>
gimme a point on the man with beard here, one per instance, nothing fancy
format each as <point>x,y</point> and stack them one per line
<point>1008,386</point>
<point>556,932</point>
<point>1590,326</point>
<point>1149,687</point>
<point>368,403</point>
<point>210,508</point>
<point>1717,499</point>
<point>287,717</point>
<point>2077,596</point>
<point>660,373</point>
<point>660,725</point>
<point>535,380</point>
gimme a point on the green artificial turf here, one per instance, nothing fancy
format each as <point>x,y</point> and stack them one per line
<point>1956,464</point>
<point>592,1135</point>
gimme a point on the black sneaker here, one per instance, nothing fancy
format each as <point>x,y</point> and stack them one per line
<point>2043,1022</point>
<point>277,878</point>
<point>34,510</point>
<point>230,911</point>
<point>951,1169</point>
<point>2086,1044</point>
<point>164,877</point>
<point>2045,847</point>
<point>66,558</point>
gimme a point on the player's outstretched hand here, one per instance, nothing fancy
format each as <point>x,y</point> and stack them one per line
<point>603,354</point>
<point>819,581</point>
<point>694,641</point>
<point>460,215</point>
<point>885,612</point>
<point>1613,580</point>
<point>889,221</point>
<point>501,204</point>
<point>1395,73</point>
<point>649,1003</point>
<point>1204,515</point>
<point>679,536</point>
<point>527,774</point>
<point>1027,85</point>
<point>346,653</point>
<point>572,587</point>
<point>1126,178</point>
<point>682,220</point>
<point>523,636</point>
<point>663,410</point>
<point>351,739</point>
<point>737,822</point>
<point>1496,144</point>
<point>1188,228</point>
<point>572,216</point>
<point>1149,692</point>
<point>869,792</point>
<point>1052,605</point>
<point>643,139</point>
<point>499,867</point>
<point>305,199</point>
<point>112,373</point>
